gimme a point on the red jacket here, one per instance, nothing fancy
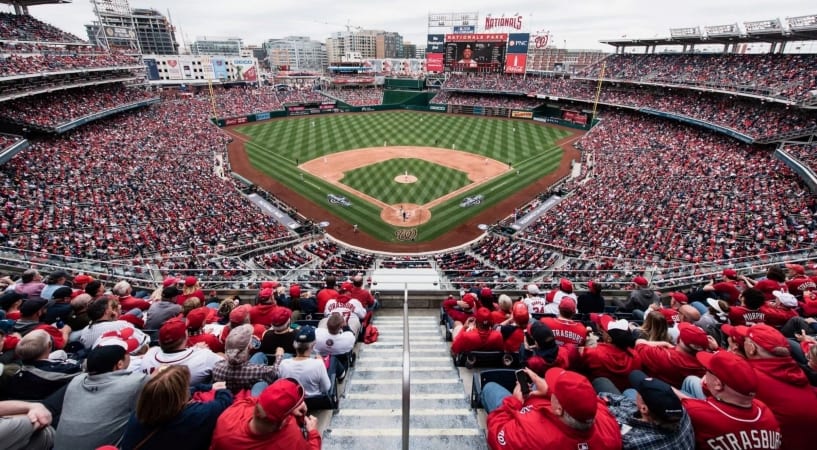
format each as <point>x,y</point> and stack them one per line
<point>323,296</point>
<point>262,314</point>
<point>741,315</point>
<point>232,432</point>
<point>470,340</point>
<point>783,386</point>
<point>777,316</point>
<point>669,365</point>
<point>130,302</point>
<point>363,295</point>
<point>514,336</point>
<point>533,425</point>
<point>607,360</point>
<point>566,331</point>
<point>210,339</point>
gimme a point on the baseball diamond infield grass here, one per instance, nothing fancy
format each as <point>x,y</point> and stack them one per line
<point>437,181</point>
<point>277,147</point>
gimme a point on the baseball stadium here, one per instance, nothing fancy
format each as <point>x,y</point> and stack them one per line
<point>481,240</point>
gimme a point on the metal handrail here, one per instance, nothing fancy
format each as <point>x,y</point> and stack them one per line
<point>406,371</point>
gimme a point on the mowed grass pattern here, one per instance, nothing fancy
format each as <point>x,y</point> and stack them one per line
<point>433,181</point>
<point>277,147</point>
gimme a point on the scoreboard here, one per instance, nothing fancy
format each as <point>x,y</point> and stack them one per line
<point>475,52</point>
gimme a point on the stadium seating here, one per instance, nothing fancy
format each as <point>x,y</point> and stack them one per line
<point>27,28</point>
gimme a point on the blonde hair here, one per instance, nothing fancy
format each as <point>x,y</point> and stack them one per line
<point>190,304</point>
<point>164,396</point>
<point>655,327</point>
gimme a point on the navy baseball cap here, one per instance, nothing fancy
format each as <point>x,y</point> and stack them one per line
<point>658,396</point>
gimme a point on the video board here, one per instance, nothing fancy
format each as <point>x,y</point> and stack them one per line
<point>475,52</point>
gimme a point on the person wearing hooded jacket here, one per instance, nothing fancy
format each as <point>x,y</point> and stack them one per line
<point>96,405</point>
<point>782,385</point>
<point>477,334</point>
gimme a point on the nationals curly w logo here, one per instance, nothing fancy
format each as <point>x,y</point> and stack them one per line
<point>405,234</point>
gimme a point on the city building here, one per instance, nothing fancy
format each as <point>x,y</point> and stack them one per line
<point>209,45</point>
<point>296,53</point>
<point>368,43</point>
<point>409,50</point>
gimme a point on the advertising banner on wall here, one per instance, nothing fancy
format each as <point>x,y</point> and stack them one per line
<point>518,42</point>
<point>435,49</point>
<point>219,67</point>
<point>244,69</point>
<point>187,67</point>
<point>515,63</point>
<point>152,69</point>
<point>174,69</point>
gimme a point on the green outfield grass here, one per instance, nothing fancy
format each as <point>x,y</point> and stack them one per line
<point>377,180</point>
<point>277,147</point>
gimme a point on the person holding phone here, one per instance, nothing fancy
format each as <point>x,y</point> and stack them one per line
<point>541,420</point>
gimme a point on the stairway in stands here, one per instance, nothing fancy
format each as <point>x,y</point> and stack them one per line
<point>370,414</point>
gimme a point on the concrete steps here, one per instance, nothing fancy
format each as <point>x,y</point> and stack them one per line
<point>370,414</point>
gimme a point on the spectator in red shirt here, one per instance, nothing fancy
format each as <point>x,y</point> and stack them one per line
<point>729,288</point>
<point>562,412</point>
<point>191,288</point>
<point>782,385</point>
<point>673,364</point>
<point>357,291</point>
<point>566,330</point>
<point>747,311</point>
<point>261,314</point>
<point>502,313</point>
<point>731,414</point>
<point>781,309</point>
<point>195,330</point>
<point>271,421</point>
<point>513,333</point>
<point>327,293</point>
<point>798,282</point>
<point>614,356</point>
<point>477,334</point>
<point>128,302</point>
<point>460,310</point>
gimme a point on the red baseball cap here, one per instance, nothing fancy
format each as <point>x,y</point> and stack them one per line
<point>641,281</point>
<point>196,317</point>
<point>269,284</point>
<point>575,393</point>
<point>470,298</point>
<point>692,335</point>
<point>169,281</point>
<point>295,290</point>
<point>670,314</point>
<point>602,320</point>
<point>240,314</point>
<point>280,398</point>
<point>346,286</point>
<point>731,369</point>
<point>796,268</point>
<point>82,279</point>
<point>737,333</point>
<point>566,285</point>
<point>265,293</point>
<point>483,316</point>
<point>567,304</point>
<point>172,330</point>
<point>767,286</point>
<point>520,313</point>
<point>730,273</point>
<point>190,281</point>
<point>769,338</point>
<point>679,297</point>
<point>280,316</point>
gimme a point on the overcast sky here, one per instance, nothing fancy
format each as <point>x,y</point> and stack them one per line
<point>578,23</point>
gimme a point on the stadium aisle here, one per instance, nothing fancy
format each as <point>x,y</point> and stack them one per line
<point>370,411</point>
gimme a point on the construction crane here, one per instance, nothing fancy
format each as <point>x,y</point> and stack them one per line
<point>348,25</point>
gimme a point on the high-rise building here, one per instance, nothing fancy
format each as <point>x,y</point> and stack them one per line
<point>296,53</point>
<point>370,44</point>
<point>409,50</point>
<point>209,45</point>
<point>153,31</point>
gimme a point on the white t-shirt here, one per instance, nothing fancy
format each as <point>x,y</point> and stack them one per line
<point>199,360</point>
<point>333,344</point>
<point>536,305</point>
<point>553,308</point>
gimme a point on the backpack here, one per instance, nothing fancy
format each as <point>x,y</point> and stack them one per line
<point>371,335</point>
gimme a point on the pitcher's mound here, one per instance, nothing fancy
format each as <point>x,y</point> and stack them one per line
<point>405,215</point>
<point>405,179</point>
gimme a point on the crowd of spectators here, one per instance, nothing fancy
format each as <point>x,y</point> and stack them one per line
<point>50,61</point>
<point>748,116</point>
<point>242,100</point>
<point>7,140</point>
<point>50,110</point>
<point>727,199</point>
<point>138,183</point>
<point>805,153</point>
<point>489,100</point>
<point>787,76</point>
<point>363,96</point>
<point>24,27</point>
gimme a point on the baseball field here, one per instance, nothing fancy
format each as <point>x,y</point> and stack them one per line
<point>403,176</point>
